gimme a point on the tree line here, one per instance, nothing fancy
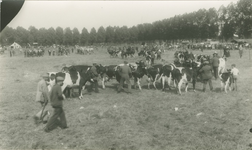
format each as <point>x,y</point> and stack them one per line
<point>196,26</point>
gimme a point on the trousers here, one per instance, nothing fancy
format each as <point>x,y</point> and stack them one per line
<point>205,81</point>
<point>57,113</point>
<point>215,69</point>
<point>127,79</point>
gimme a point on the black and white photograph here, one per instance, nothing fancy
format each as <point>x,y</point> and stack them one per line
<point>126,75</point>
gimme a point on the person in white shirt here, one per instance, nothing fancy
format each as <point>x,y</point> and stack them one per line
<point>235,73</point>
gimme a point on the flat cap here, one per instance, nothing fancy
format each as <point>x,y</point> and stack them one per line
<point>125,62</point>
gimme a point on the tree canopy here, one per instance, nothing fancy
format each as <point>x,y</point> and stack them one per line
<point>195,26</point>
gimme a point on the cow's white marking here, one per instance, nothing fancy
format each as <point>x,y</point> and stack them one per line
<point>222,65</point>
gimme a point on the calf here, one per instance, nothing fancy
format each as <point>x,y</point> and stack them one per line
<point>226,80</point>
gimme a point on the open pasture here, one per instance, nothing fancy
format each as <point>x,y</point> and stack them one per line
<point>144,120</point>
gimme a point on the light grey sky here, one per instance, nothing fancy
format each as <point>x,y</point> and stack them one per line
<point>90,14</point>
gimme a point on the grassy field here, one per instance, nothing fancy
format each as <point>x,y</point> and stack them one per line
<point>144,120</point>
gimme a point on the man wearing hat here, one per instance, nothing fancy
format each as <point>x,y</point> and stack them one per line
<point>125,73</point>
<point>57,97</point>
<point>95,77</point>
<point>42,97</point>
<point>206,72</point>
<point>215,64</point>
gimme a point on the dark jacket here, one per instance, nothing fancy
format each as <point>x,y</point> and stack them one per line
<point>125,70</point>
<point>56,96</point>
<point>215,61</point>
<point>206,72</point>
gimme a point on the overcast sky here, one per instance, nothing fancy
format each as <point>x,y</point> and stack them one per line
<point>90,14</point>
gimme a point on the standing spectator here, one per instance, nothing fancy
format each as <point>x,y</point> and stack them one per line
<point>125,73</point>
<point>215,64</point>
<point>49,52</point>
<point>240,51</point>
<point>235,73</point>
<point>152,58</point>
<point>159,54</point>
<point>56,97</point>
<point>42,97</point>
<point>206,72</point>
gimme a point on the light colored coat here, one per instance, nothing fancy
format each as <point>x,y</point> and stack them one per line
<point>42,92</point>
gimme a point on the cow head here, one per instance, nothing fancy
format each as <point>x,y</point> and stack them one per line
<point>101,69</point>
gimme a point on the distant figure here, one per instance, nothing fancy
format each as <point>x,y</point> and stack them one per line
<point>215,64</point>
<point>235,73</point>
<point>152,58</point>
<point>11,51</point>
<point>49,52</point>
<point>159,54</point>
<point>240,51</point>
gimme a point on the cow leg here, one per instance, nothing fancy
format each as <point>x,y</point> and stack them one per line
<point>222,85</point>
<point>179,86</point>
<point>194,83</point>
<point>135,83</point>
<point>154,82</point>
<point>149,80</point>
<point>163,83</point>
<point>169,82</point>
<point>139,85</point>
<point>103,82</point>
<point>186,86</point>
<point>227,84</point>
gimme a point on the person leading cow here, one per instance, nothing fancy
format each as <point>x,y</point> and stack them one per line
<point>56,98</point>
<point>215,64</point>
<point>206,72</point>
<point>125,73</point>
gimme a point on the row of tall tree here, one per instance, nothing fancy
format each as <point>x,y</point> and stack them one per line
<point>196,26</point>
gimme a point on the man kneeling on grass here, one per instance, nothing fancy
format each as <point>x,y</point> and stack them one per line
<point>56,97</point>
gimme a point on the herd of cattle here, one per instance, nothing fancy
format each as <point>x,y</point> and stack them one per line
<point>183,71</point>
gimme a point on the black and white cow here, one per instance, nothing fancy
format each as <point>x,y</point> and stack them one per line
<point>180,75</point>
<point>153,73</point>
<point>226,80</point>
<point>72,78</point>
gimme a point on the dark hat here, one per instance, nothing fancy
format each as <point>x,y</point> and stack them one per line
<point>125,62</point>
<point>60,78</point>
<point>95,64</point>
